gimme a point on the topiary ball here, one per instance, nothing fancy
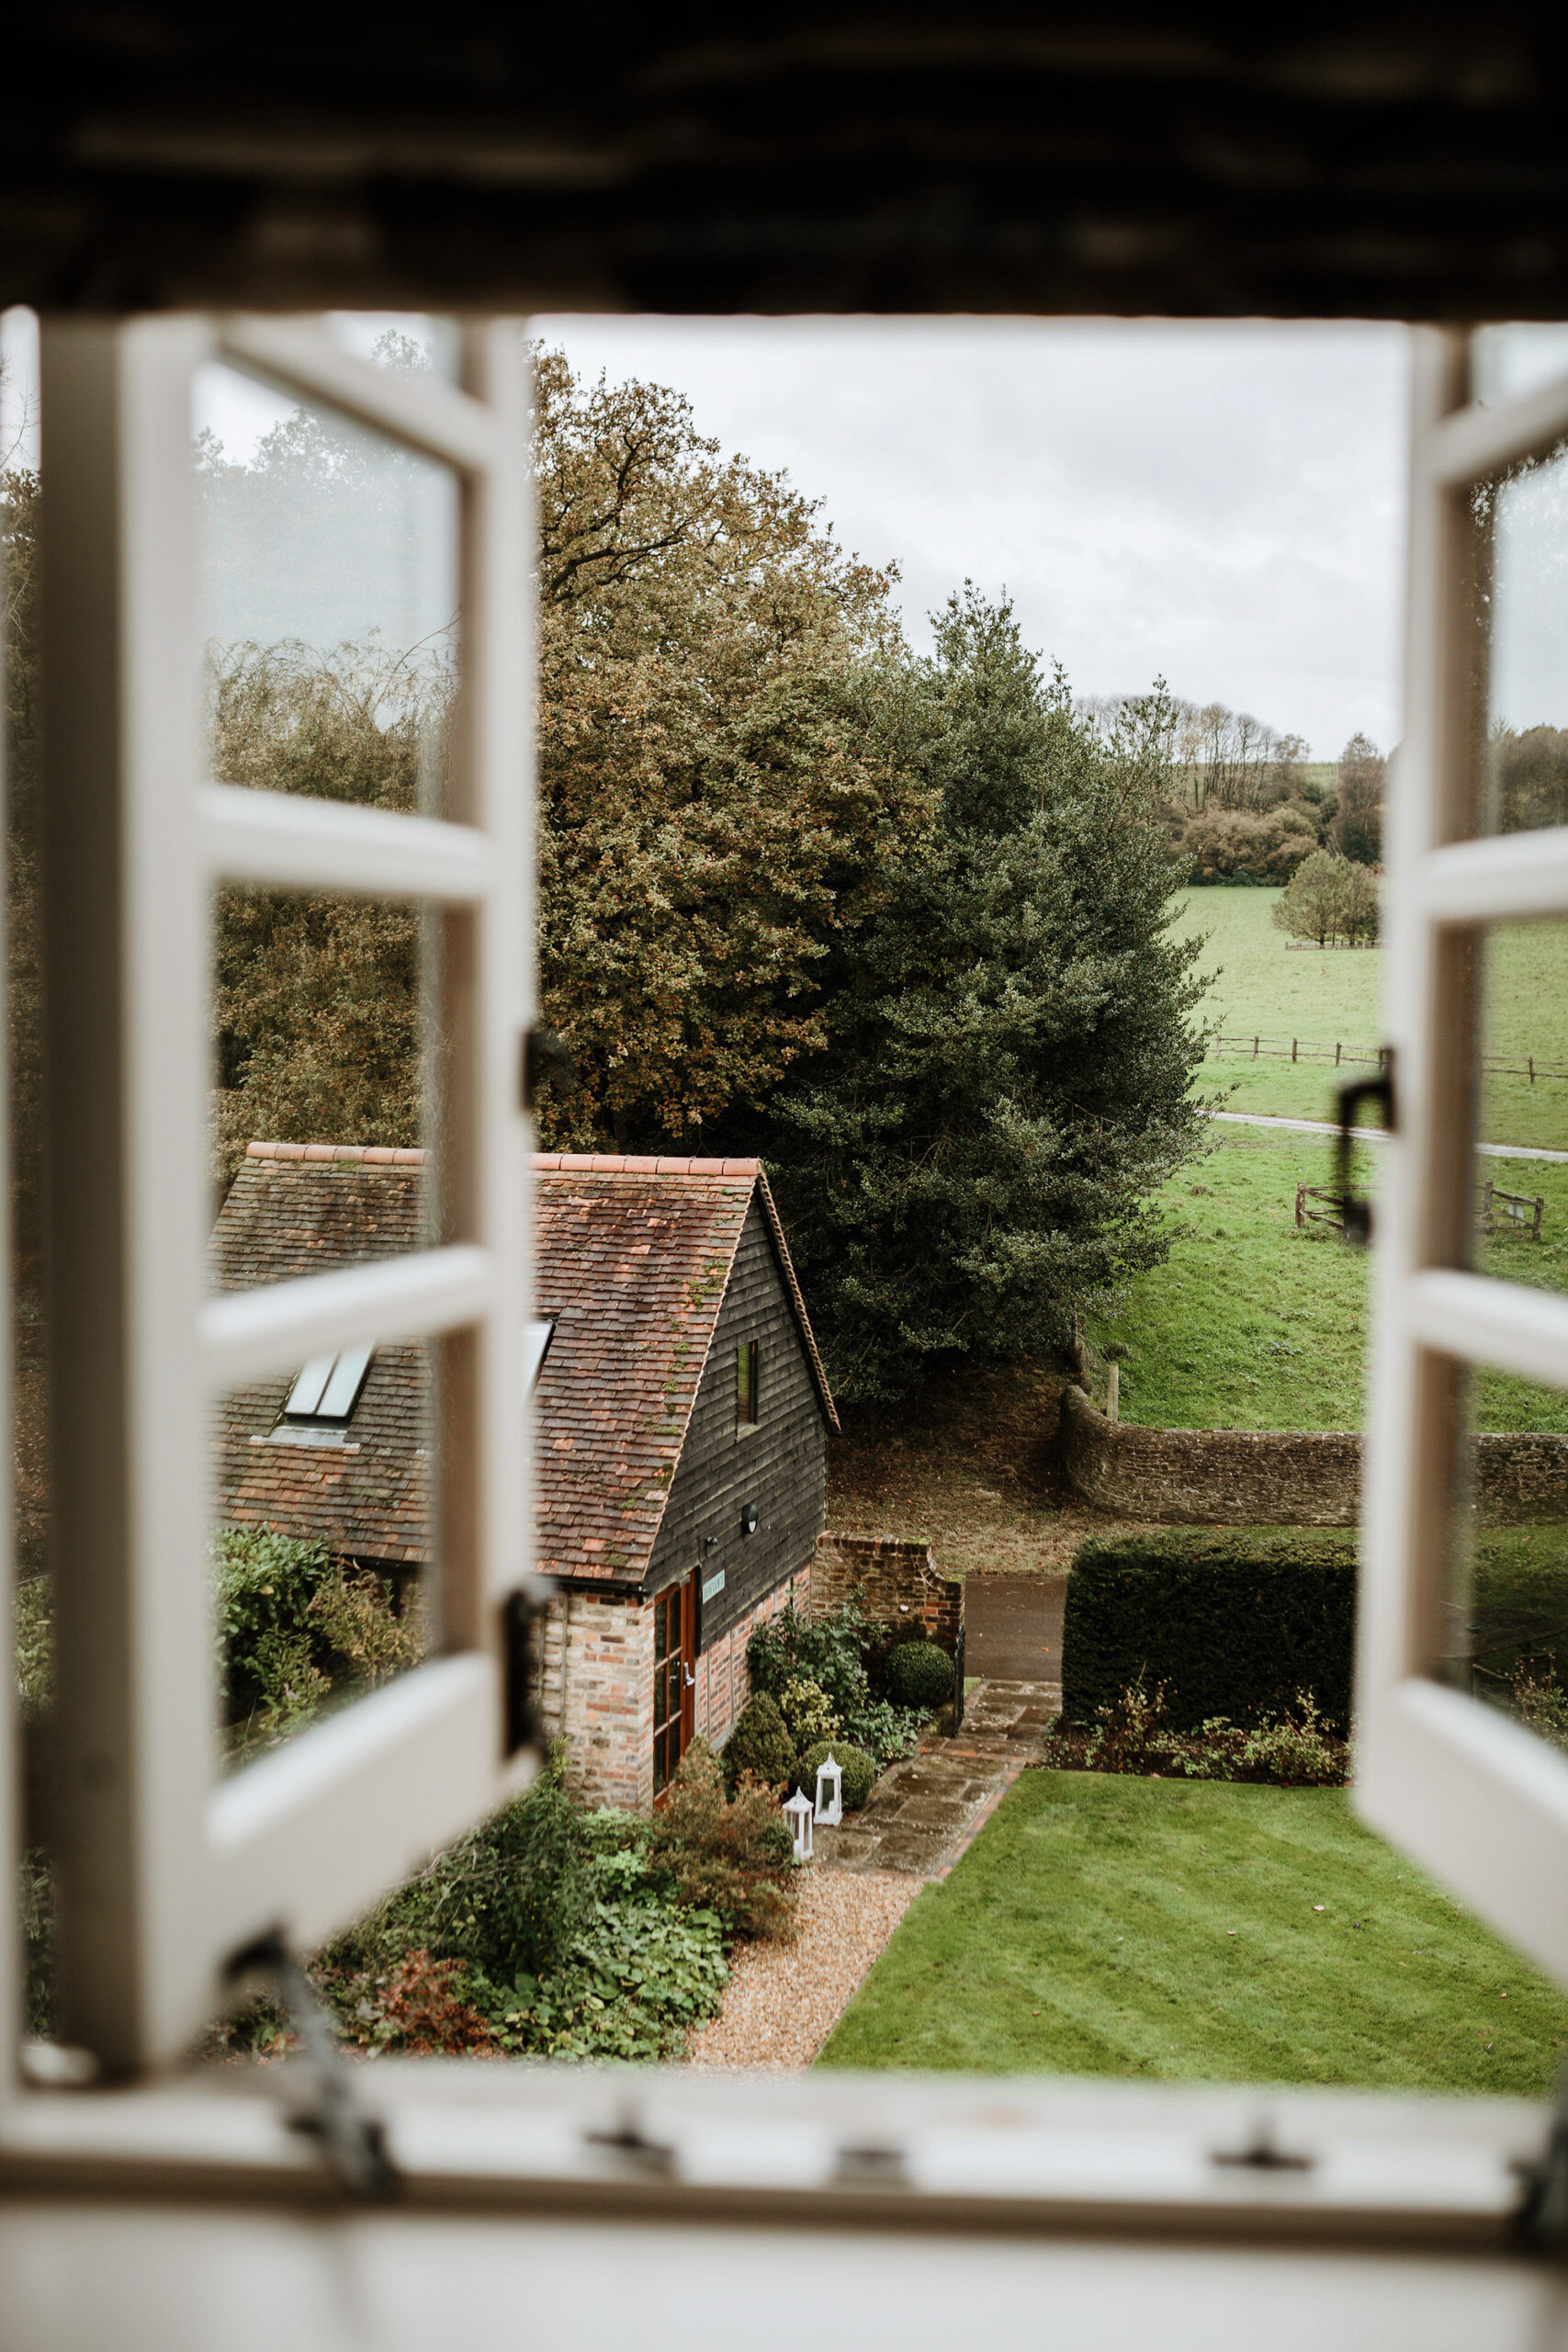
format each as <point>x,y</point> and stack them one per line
<point>919,1674</point>
<point>760,1744</point>
<point>858,1768</point>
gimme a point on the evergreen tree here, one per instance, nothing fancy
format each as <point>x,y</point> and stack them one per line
<point>1010,1048</point>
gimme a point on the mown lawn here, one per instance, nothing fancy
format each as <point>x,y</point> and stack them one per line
<point>1266,988</point>
<point>1253,1325</point>
<point>1087,1931</point>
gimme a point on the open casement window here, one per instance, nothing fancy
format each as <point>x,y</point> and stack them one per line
<point>165,1868</point>
<point>1476,883</point>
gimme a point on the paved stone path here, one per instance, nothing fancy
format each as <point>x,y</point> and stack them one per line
<point>925,1811</point>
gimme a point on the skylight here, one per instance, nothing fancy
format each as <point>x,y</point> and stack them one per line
<point>327,1389</point>
<point>536,1338</point>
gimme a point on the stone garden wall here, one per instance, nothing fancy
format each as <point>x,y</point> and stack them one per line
<point>898,1579</point>
<point>1278,1477</point>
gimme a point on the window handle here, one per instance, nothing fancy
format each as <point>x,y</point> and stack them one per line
<point>1355,1214</point>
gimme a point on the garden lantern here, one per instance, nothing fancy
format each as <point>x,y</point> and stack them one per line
<point>829,1792</point>
<point>798,1812</point>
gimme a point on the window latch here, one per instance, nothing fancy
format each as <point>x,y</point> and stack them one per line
<point>1355,1214</point>
<point>353,2141</point>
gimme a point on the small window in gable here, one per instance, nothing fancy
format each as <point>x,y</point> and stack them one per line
<point>746,1384</point>
<point>327,1389</point>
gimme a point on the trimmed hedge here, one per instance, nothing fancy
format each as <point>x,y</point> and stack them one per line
<point>920,1674</point>
<point>1230,1626</point>
<point>760,1744</point>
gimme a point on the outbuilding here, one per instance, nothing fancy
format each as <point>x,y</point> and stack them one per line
<point>682,1419</point>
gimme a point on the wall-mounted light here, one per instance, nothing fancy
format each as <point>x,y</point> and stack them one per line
<point>748,1519</point>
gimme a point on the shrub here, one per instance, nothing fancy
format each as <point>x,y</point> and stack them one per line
<point>733,1856</point>
<point>420,2008</point>
<point>859,1770</point>
<point>1131,1733</point>
<point>808,1714</point>
<point>829,1651</point>
<point>1230,845</point>
<point>920,1674</point>
<point>507,1899</point>
<point>1225,1627</point>
<point>294,1625</point>
<point>760,1744</point>
<point>1327,899</point>
<point>886,1732</point>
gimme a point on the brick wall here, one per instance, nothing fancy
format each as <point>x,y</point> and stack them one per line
<point>897,1580</point>
<point>596,1693</point>
<point>1279,1477</point>
<point>723,1683</point>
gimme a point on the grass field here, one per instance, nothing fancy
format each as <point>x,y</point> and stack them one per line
<point>1266,988</point>
<point>1253,1325</point>
<point>1087,1932</point>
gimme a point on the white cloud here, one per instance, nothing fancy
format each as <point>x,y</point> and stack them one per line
<point>1224,504</point>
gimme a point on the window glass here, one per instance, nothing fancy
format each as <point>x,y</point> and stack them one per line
<point>746,1384</point>
<point>1519,972</point>
<point>1524,616</point>
<point>325,1553</point>
<point>328,589</point>
<point>1516,358</point>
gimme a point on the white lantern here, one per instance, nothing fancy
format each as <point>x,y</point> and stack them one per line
<point>829,1792</point>
<point>798,1812</point>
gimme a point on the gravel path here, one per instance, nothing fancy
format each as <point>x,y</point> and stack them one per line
<point>782,2000</point>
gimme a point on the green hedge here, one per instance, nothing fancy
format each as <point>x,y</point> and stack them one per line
<point>1231,1625</point>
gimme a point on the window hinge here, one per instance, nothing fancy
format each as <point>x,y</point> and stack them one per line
<point>353,2141</point>
<point>1541,2224</point>
<point>1355,1214</point>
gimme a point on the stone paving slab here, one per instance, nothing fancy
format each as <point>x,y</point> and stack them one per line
<point>924,1810</point>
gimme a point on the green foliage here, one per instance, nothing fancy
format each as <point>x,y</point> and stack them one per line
<point>1010,1043</point>
<point>885,1731</point>
<point>1131,1733</point>
<point>1228,1628</point>
<point>508,1898</point>
<point>808,1713</point>
<point>829,1651</point>
<point>1330,900</point>
<point>732,1855</point>
<point>639,1974</point>
<point>760,1744</point>
<point>294,1625</point>
<point>920,1674</point>
<point>34,1647</point>
<point>1227,845</point>
<point>859,1770</point>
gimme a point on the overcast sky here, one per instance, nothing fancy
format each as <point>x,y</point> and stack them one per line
<point>1221,504</point>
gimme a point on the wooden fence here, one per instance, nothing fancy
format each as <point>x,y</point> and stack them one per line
<point>1522,1212</point>
<point>1314,1050</point>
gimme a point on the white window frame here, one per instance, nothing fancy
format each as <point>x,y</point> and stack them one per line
<point>165,1868</point>
<point>1476,1799</point>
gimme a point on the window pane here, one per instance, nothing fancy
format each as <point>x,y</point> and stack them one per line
<point>1516,358</point>
<point>1519,972</point>
<point>329,599</point>
<point>323,1011</point>
<point>1524,611</point>
<point>325,1552</point>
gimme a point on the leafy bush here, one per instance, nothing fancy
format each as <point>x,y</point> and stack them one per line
<point>734,1856</point>
<point>510,1897</point>
<point>828,1651</point>
<point>293,1626</point>
<point>808,1714</point>
<point>1131,1733</point>
<point>640,1973</point>
<point>1231,846</point>
<point>1225,1627</point>
<point>886,1732</point>
<point>920,1674</point>
<point>760,1744</point>
<point>857,1768</point>
<point>422,2007</point>
<point>1327,899</point>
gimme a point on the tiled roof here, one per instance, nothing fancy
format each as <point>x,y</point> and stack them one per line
<point>633,1258</point>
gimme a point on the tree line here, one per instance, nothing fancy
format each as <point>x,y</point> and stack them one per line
<point>899,922</point>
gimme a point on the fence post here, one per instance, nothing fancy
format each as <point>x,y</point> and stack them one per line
<point>1255,1049</point>
<point>1532,1070</point>
<point>1292,1049</point>
<point>1301,1204</point>
<point>1113,1391</point>
<point>1336,1053</point>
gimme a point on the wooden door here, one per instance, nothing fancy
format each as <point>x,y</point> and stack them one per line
<point>674,1678</point>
